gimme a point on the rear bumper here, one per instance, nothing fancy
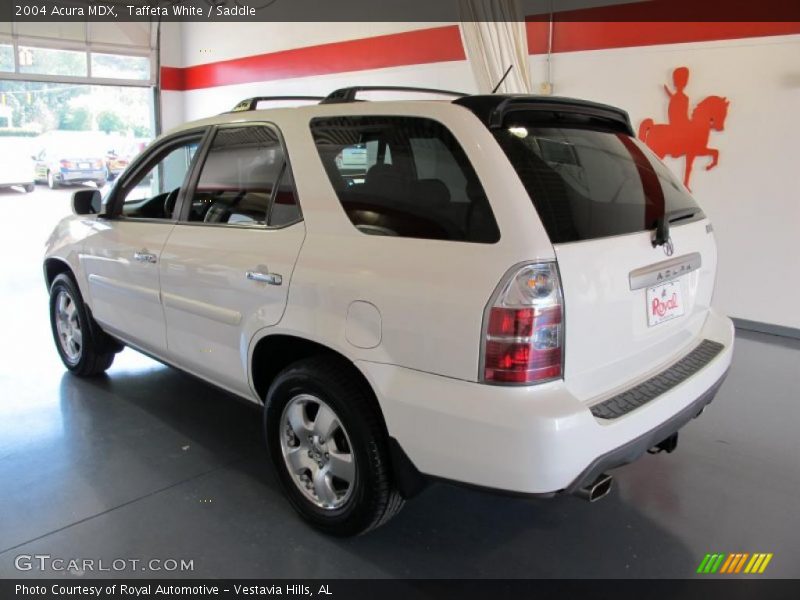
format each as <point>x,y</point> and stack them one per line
<point>79,176</point>
<point>4,184</point>
<point>532,440</point>
<point>634,449</point>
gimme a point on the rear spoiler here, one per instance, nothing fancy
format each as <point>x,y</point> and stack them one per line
<point>493,110</point>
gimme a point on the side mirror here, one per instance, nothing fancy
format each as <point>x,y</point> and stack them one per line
<point>86,202</point>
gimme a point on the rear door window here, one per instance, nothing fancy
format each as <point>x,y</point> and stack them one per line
<point>589,184</point>
<point>404,176</point>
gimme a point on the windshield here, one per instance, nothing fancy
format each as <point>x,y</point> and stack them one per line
<point>588,184</point>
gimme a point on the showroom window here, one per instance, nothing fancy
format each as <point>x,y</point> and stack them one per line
<point>95,53</point>
<point>404,176</point>
<point>117,66</point>
<point>245,181</point>
<point>52,61</point>
<point>6,57</point>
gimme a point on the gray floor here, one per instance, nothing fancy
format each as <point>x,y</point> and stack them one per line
<point>150,463</point>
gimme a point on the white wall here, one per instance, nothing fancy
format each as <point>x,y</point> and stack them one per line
<point>205,42</point>
<point>209,101</point>
<point>753,196</point>
<point>171,55</point>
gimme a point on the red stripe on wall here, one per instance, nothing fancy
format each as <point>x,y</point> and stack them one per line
<point>172,78</point>
<point>424,46</point>
<point>571,36</point>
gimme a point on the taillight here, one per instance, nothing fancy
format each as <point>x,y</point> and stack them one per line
<point>524,328</point>
<point>67,164</point>
<point>98,164</point>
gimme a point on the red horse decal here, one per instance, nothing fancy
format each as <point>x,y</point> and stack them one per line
<point>684,135</point>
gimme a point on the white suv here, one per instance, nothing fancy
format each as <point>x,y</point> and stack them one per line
<point>508,292</point>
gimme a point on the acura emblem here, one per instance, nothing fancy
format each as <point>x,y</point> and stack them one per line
<point>669,248</point>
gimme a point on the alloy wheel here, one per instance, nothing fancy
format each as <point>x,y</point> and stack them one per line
<point>68,327</point>
<point>317,452</point>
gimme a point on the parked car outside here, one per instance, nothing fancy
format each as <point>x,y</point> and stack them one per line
<point>16,168</point>
<point>114,164</point>
<point>119,152</point>
<point>506,292</point>
<point>66,158</point>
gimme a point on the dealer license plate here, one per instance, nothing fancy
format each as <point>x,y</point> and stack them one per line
<point>664,302</point>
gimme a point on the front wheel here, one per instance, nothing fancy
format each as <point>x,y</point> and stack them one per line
<point>29,187</point>
<point>328,445</point>
<point>83,349</point>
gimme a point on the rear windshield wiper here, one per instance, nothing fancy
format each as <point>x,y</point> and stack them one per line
<point>661,225</point>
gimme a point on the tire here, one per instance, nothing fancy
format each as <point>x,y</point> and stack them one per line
<point>51,181</point>
<point>295,402</point>
<point>91,351</point>
<point>29,187</point>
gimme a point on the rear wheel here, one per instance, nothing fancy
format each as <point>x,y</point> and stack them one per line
<point>52,183</point>
<point>81,344</point>
<point>29,187</point>
<point>328,445</point>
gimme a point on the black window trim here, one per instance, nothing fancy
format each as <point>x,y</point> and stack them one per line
<point>143,163</point>
<point>436,120</point>
<point>184,202</point>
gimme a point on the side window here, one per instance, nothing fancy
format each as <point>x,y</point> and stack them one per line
<point>245,180</point>
<point>404,176</point>
<point>153,194</point>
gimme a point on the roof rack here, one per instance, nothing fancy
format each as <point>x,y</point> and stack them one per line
<point>348,94</point>
<point>252,103</point>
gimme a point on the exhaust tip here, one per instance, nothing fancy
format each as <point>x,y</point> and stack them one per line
<point>597,489</point>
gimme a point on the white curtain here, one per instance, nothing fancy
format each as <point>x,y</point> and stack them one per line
<point>495,38</point>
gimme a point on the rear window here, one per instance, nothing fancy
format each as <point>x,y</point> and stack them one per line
<point>589,184</point>
<point>404,176</point>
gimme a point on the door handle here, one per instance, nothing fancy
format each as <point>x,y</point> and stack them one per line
<point>145,257</point>
<point>270,278</point>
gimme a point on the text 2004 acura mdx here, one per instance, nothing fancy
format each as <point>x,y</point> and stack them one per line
<point>509,292</point>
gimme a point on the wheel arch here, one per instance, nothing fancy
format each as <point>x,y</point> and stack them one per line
<point>53,267</point>
<point>273,353</point>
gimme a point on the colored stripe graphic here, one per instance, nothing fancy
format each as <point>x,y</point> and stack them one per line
<point>765,563</point>
<point>703,563</point>
<point>729,562</point>
<point>734,562</point>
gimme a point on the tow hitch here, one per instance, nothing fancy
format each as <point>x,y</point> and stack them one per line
<point>668,445</point>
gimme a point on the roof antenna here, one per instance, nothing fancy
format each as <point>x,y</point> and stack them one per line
<point>502,79</point>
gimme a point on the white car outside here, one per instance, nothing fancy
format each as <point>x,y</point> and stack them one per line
<point>507,292</point>
<point>17,167</point>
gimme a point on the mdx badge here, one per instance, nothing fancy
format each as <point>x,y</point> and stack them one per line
<point>664,271</point>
